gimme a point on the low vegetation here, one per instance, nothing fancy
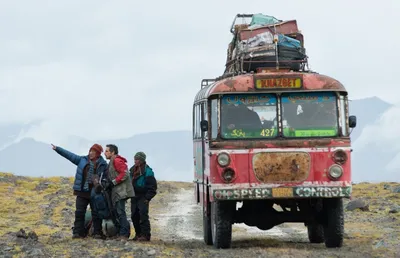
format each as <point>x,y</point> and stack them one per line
<point>46,207</point>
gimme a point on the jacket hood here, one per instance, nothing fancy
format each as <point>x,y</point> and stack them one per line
<point>121,158</point>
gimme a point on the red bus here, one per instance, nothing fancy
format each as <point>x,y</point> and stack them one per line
<point>274,138</point>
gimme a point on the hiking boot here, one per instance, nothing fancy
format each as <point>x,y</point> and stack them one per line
<point>136,237</point>
<point>99,236</point>
<point>143,238</point>
<point>76,236</point>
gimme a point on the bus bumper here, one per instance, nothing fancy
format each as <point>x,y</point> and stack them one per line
<point>224,192</point>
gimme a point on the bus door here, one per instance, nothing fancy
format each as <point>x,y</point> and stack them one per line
<point>200,143</point>
<point>204,147</point>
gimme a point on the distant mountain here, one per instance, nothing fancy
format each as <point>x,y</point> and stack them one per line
<point>368,111</point>
<point>170,153</point>
<point>31,158</point>
<point>11,132</point>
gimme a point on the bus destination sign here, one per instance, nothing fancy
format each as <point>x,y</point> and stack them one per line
<point>278,83</point>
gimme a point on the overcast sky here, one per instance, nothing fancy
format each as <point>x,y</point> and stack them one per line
<point>112,69</point>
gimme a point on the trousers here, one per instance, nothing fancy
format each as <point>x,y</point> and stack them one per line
<point>80,212</point>
<point>140,216</point>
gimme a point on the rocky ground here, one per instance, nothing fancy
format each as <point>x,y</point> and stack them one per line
<point>36,216</point>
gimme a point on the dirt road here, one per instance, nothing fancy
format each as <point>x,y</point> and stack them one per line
<point>179,224</point>
<point>182,220</point>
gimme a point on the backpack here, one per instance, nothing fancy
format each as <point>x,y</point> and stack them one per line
<point>100,205</point>
<point>108,226</point>
<point>100,202</point>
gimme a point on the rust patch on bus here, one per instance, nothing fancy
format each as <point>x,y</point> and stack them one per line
<point>245,82</point>
<point>240,83</point>
<point>230,83</point>
<point>270,167</point>
<point>319,81</point>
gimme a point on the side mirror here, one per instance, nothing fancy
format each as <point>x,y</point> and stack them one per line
<point>204,125</point>
<point>352,121</point>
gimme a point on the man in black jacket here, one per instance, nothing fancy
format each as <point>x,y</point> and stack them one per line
<point>145,186</point>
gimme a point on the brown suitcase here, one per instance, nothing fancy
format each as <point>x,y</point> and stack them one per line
<point>285,27</point>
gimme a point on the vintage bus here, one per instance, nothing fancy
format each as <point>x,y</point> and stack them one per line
<point>272,147</point>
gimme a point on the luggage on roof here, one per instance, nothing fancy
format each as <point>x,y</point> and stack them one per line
<point>285,27</point>
<point>253,44</point>
<point>261,20</point>
<point>287,57</point>
<point>288,41</point>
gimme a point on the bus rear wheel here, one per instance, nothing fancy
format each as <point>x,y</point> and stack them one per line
<point>207,229</point>
<point>221,223</point>
<point>334,222</point>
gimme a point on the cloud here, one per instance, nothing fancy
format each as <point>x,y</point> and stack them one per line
<point>101,69</point>
<point>383,132</point>
<point>379,143</point>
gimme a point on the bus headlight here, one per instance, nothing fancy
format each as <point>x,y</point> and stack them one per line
<point>335,171</point>
<point>339,157</point>
<point>228,175</point>
<point>223,159</point>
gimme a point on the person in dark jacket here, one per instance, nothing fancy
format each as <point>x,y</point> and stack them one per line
<point>145,186</point>
<point>89,169</point>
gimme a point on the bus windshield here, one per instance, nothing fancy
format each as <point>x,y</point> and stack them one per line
<point>309,114</point>
<point>248,116</point>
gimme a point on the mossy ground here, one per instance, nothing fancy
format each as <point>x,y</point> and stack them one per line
<point>46,206</point>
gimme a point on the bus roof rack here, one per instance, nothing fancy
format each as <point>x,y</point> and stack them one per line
<point>246,19</point>
<point>206,82</point>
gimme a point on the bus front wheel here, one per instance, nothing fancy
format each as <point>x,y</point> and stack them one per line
<point>334,222</point>
<point>315,233</point>
<point>221,223</point>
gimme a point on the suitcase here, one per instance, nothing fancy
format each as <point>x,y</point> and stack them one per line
<point>289,42</point>
<point>288,57</point>
<point>286,27</point>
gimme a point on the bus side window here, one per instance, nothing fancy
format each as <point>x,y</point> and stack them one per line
<point>205,117</point>
<point>198,117</point>
<point>194,121</point>
<point>343,115</point>
<point>214,119</point>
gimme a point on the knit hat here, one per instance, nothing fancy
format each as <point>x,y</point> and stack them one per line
<point>140,156</point>
<point>97,147</point>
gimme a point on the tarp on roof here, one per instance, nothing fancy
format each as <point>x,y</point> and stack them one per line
<point>261,20</point>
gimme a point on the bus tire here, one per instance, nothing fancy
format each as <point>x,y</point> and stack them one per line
<point>221,224</point>
<point>334,222</point>
<point>207,220</point>
<point>207,229</point>
<point>315,233</point>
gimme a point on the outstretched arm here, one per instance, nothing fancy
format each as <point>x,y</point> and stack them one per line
<point>67,154</point>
